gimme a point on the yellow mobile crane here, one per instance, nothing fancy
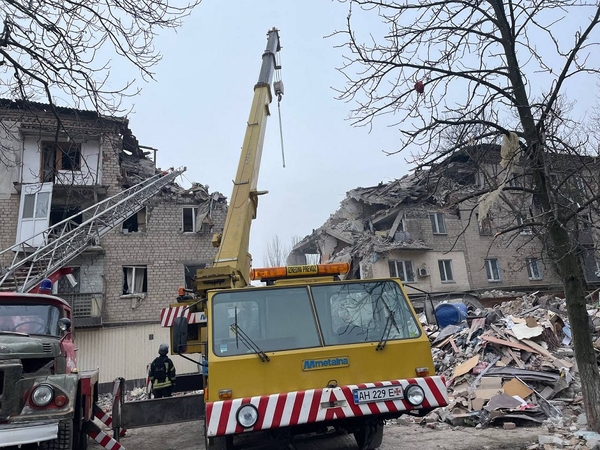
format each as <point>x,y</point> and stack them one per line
<point>309,350</point>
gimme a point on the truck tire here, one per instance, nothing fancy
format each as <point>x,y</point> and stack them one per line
<point>64,441</point>
<point>369,435</point>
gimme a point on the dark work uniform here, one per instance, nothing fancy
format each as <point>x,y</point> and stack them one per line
<point>162,376</point>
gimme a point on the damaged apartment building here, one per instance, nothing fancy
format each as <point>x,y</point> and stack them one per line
<point>54,166</point>
<point>425,229</point>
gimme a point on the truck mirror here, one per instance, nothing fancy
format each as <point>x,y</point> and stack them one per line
<point>180,331</point>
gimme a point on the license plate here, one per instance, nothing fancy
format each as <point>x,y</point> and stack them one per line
<point>377,394</point>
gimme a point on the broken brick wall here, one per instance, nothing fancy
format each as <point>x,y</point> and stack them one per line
<point>164,250</point>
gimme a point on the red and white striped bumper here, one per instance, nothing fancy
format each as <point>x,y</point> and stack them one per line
<point>295,408</point>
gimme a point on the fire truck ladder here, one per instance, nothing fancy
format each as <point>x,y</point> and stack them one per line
<point>65,240</point>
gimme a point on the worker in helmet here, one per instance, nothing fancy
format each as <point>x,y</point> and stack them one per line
<point>162,373</point>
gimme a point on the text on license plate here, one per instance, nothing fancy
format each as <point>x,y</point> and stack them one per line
<point>377,394</point>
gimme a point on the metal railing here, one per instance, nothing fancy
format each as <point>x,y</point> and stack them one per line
<point>85,304</point>
<point>62,242</point>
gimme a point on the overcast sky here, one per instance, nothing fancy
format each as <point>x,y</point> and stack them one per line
<point>196,112</point>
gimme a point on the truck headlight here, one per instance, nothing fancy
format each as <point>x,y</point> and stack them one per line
<point>247,416</point>
<point>414,395</point>
<point>42,395</point>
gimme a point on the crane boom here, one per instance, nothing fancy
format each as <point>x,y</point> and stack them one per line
<point>231,267</point>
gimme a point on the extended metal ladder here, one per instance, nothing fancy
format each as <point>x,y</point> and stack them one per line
<point>65,240</point>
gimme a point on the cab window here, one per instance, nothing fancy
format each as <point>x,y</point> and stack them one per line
<point>30,319</point>
<point>363,312</point>
<point>274,319</point>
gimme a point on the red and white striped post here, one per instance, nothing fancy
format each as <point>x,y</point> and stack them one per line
<point>101,437</point>
<point>106,419</point>
<point>148,382</point>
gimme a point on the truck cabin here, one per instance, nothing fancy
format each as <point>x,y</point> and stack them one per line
<point>35,314</point>
<point>299,317</point>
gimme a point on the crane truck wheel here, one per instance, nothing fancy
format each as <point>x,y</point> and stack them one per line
<point>369,435</point>
<point>64,441</point>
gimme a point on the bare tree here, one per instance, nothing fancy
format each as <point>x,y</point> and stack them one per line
<point>277,253</point>
<point>475,73</point>
<point>62,49</point>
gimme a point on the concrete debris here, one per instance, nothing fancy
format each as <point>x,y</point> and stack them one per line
<point>513,365</point>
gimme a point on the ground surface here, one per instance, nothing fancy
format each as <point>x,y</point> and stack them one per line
<point>189,436</point>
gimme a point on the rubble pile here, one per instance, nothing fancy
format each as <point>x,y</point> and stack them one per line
<point>513,365</point>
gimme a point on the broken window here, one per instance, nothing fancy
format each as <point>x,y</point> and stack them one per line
<point>70,284</point>
<point>60,213</point>
<point>492,269</point>
<point>521,223</point>
<point>445,266</point>
<point>135,223</point>
<point>534,269</point>
<point>191,222</point>
<point>485,225</point>
<point>190,274</point>
<point>403,270</point>
<point>59,156</point>
<point>437,223</point>
<point>135,280</point>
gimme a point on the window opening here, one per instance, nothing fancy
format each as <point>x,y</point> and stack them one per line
<point>492,269</point>
<point>437,223</point>
<point>485,225</point>
<point>403,270</point>
<point>534,269</point>
<point>524,229</point>
<point>190,220</point>
<point>135,223</point>
<point>59,156</point>
<point>60,213</point>
<point>66,287</point>
<point>135,280</point>
<point>445,266</point>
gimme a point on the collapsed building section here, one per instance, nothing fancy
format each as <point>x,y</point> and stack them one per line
<point>425,228</point>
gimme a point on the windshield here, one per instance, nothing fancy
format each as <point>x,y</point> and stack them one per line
<point>361,312</point>
<point>274,319</point>
<point>30,319</point>
<point>284,318</point>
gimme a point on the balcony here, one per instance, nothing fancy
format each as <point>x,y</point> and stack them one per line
<point>87,308</point>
